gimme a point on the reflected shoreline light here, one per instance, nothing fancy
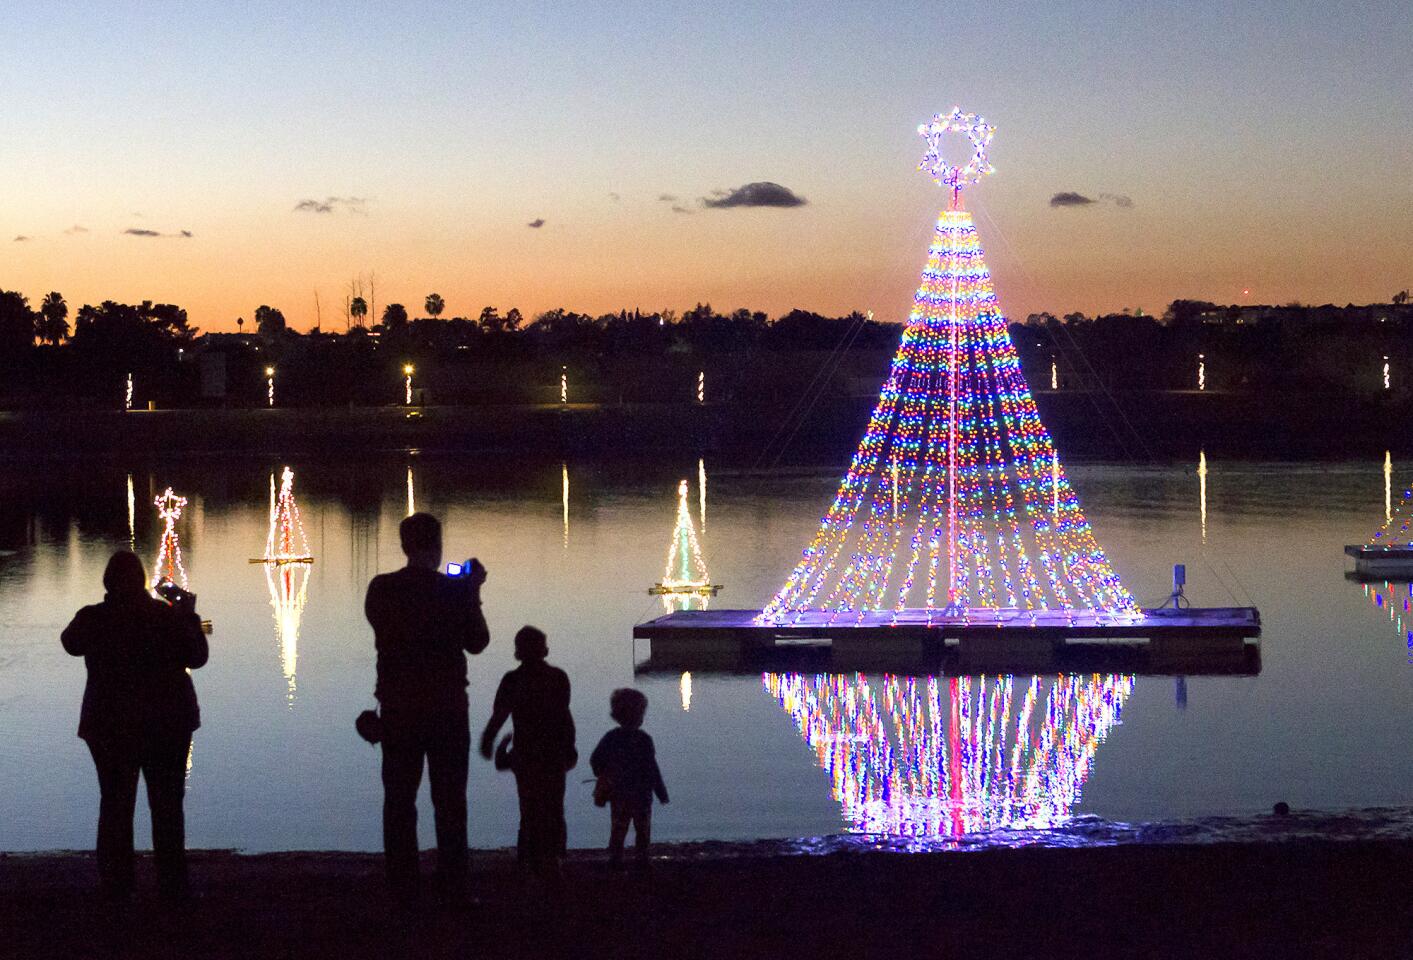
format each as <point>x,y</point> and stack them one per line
<point>1202,490</point>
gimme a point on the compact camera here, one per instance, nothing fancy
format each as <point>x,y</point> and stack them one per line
<point>462,570</point>
<point>175,595</point>
<point>170,592</point>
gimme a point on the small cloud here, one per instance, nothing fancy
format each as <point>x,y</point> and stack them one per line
<point>760,194</point>
<point>331,204</point>
<point>677,209</point>
<point>536,223</point>
<point>614,197</point>
<point>141,232</point>
<point>75,230</point>
<point>1069,198</point>
<point>23,239</point>
<point>667,198</point>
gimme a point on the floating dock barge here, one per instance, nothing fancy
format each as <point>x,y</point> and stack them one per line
<point>1379,562</point>
<point>1167,640</point>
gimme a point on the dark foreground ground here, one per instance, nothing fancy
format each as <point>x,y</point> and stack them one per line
<point>1295,899</point>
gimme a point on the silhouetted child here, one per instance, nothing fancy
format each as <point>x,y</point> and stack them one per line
<point>535,698</point>
<point>625,764</point>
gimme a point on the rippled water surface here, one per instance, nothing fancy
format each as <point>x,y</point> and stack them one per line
<point>572,549</point>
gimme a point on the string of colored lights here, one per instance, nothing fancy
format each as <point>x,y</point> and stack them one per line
<point>955,451</point>
<point>929,758</point>
<point>1394,532</point>
<point>169,565</point>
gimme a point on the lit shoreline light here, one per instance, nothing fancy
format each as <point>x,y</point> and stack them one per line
<point>407,371</point>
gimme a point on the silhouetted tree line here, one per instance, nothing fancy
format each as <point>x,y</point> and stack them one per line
<point>1291,349</point>
<point>633,355</point>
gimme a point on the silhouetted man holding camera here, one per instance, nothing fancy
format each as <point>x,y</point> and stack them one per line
<point>424,623</point>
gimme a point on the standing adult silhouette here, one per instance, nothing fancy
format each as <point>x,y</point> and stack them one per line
<point>424,624</point>
<point>139,711</point>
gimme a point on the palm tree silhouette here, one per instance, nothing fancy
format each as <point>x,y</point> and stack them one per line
<point>358,309</point>
<point>435,305</point>
<point>54,323</point>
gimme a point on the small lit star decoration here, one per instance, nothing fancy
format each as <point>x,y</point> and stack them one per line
<point>978,131</point>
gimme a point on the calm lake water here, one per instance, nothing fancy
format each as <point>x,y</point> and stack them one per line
<point>572,549</point>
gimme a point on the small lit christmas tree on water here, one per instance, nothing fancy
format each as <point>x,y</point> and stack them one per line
<point>287,562</point>
<point>685,583</point>
<point>956,502</point>
<point>286,542</point>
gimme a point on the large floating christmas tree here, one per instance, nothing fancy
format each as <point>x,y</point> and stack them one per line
<point>956,501</point>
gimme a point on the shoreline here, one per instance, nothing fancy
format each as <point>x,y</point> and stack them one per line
<point>1300,897</point>
<point>1139,426</point>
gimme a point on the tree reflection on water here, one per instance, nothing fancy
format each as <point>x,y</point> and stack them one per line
<point>925,757</point>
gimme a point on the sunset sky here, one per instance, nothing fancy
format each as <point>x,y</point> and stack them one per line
<point>1265,146</point>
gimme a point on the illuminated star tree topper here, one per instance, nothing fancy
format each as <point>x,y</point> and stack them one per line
<point>945,173</point>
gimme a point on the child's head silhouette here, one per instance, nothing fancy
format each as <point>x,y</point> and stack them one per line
<point>531,644</point>
<point>627,707</point>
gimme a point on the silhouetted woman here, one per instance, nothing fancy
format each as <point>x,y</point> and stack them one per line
<point>139,711</point>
